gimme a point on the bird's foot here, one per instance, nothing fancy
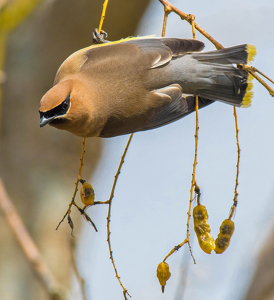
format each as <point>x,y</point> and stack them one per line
<point>99,38</point>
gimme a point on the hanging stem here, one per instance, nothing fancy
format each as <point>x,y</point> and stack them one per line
<point>167,11</point>
<point>109,213</point>
<point>235,200</point>
<point>176,248</point>
<point>194,185</point>
<point>188,18</point>
<point>103,16</point>
<point>75,190</point>
<point>193,181</point>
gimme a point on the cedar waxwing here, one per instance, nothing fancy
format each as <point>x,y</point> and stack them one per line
<point>138,84</point>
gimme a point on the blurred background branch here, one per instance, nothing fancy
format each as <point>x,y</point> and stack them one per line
<point>29,248</point>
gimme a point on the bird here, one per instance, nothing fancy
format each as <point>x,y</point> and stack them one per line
<point>142,83</point>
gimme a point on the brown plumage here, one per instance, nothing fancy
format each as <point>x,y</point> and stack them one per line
<point>137,84</point>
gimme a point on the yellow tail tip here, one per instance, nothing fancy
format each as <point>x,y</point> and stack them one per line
<point>249,92</point>
<point>251,50</point>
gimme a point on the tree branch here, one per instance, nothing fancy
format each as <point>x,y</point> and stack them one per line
<point>29,248</point>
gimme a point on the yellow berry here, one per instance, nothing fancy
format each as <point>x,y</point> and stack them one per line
<point>207,243</point>
<point>223,239</point>
<point>200,213</point>
<point>163,274</point>
<point>87,193</point>
<point>202,229</point>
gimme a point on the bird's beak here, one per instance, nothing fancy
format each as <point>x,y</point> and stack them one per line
<point>44,121</point>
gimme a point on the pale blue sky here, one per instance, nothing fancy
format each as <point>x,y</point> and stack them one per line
<point>151,198</point>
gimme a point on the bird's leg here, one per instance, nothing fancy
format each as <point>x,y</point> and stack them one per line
<point>99,38</point>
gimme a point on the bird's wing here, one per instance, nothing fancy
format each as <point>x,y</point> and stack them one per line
<point>177,105</point>
<point>164,49</point>
<point>149,52</point>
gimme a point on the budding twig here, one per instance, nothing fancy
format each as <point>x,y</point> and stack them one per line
<point>109,212</point>
<point>72,202</point>
<point>193,181</point>
<point>235,199</point>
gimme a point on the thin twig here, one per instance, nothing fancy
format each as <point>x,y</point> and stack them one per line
<point>193,26</point>
<point>75,190</point>
<point>252,71</point>
<point>188,18</point>
<point>109,212</point>
<point>76,271</point>
<point>176,248</point>
<point>101,202</point>
<point>167,11</point>
<point>86,217</point>
<point>193,181</point>
<point>29,248</point>
<point>198,193</point>
<point>235,200</point>
<point>109,202</point>
<point>103,16</point>
<point>256,70</point>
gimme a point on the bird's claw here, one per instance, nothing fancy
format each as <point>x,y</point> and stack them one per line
<point>99,38</point>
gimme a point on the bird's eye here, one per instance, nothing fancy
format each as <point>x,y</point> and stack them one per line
<point>57,111</point>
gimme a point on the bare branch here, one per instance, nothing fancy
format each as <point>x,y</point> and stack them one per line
<point>29,248</point>
<point>109,211</point>
<point>235,200</point>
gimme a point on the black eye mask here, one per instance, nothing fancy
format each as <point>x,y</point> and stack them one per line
<point>59,110</point>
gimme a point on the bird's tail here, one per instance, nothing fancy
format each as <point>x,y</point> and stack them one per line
<point>221,79</point>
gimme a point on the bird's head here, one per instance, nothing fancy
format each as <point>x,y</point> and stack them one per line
<point>55,105</point>
<point>65,106</point>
